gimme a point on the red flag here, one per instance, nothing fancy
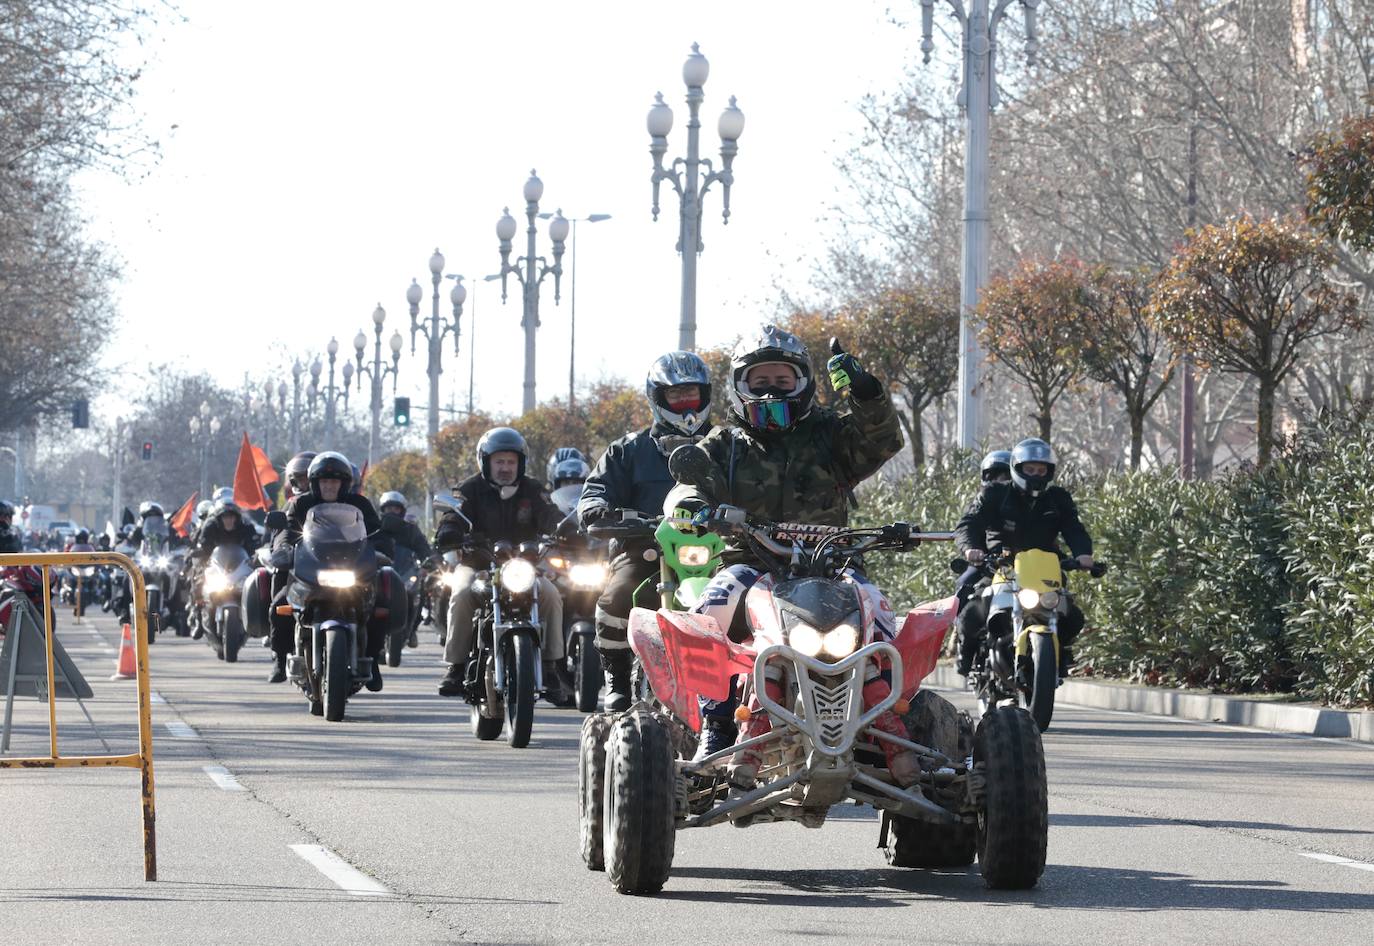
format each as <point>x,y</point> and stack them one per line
<point>181,522</point>
<point>248,492</point>
<point>267,473</point>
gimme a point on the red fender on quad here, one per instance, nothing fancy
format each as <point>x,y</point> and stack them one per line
<point>920,639</point>
<point>685,656</point>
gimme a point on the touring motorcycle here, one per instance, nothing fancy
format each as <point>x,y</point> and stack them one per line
<point>221,588</point>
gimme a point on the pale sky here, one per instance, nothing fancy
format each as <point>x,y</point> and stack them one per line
<point>323,150</point>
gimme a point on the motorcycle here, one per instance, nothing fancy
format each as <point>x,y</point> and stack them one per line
<point>504,676</point>
<point>80,587</point>
<point>831,706</point>
<point>577,568</point>
<point>333,595</point>
<point>1018,660</point>
<point>221,585</point>
<point>407,568</point>
<point>155,561</point>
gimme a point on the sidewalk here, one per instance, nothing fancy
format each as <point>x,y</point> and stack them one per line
<point>1306,719</point>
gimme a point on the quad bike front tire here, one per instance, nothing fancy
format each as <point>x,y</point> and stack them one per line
<point>641,778</point>
<point>591,789</point>
<point>1013,827</point>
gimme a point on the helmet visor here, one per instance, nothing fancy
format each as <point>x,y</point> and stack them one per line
<point>683,397</point>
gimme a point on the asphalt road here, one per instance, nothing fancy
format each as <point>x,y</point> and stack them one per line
<point>396,825</point>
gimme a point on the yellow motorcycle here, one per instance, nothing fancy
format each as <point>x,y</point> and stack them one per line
<point>1018,661</point>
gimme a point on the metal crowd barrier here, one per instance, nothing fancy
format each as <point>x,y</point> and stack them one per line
<point>143,759</point>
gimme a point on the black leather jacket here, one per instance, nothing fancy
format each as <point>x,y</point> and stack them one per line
<point>1019,522</point>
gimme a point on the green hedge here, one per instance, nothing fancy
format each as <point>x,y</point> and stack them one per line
<point>1252,582</point>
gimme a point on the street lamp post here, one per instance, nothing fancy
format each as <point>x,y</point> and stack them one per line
<point>978,97</point>
<point>331,394</point>
<point>535,269</point>
<point>690,186</point>
<point>204,429</point>
<point>572,308</point>
<point>376,373</point>
<point>434,334</point>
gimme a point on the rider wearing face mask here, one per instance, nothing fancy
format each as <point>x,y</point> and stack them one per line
<point>500,503</point>
<point>633,474</point>
<point>995,468</point>
<point>1025,513</point>
<point>788,460</point>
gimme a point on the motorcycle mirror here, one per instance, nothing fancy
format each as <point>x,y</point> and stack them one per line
<point>453,504</point>
<point>693,467</point>
<point>502,550</point>
<point>276,520</point>
<point>530,551</point>
<point>958,566</point>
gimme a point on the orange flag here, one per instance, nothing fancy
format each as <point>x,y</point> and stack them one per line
<point>267,473</point>
<point>362,478</point>
<point>181,522</point>
<point>248,492</point>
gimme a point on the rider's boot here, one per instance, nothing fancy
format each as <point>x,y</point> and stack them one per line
<point>374,682</point>
<point>717,733</point>
<point>278,674</point>
<point>413,638</point>
<point>617,665</point>
<point>744,771</point>
<point>1065,659</point>
<point>902,764</point>
<point>555,691</point>
<point>452,684</point>
<point>199,621</point>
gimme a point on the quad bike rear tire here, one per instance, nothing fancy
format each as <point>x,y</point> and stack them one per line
<point>934,722</point>
<point>641,779</point>
<point>591,789</point>
<point>1013,828</point>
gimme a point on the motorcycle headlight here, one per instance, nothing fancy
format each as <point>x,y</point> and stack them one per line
<point>337,578</point>
<point>588,575</point>
<point>1049,600</point>
<point>559,563</point>
<point>163,561</point>
<point>841,641</point>
<point>694,555</point>
<point>1029,598</point>
<point>517,576</point>
<point>215,582</point>
<point>145,561</point>
<point>805,638</point>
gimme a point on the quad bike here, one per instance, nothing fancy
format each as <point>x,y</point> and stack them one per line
<point>833,715</point>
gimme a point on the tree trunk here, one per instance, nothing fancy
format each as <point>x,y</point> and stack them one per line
<point>1265,425</point>
<point>1137,435</point>
<point>918,439</point>
<point>1043,419</point>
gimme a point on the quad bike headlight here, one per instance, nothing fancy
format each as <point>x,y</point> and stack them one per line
<point>694,555</point>
<point>517,576</point>
<point>337,578</point>
<point>840,641</point>
<point>589,575</point>
<point>805,639</point>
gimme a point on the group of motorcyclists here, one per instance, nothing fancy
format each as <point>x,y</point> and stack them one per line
<point>780,456</point>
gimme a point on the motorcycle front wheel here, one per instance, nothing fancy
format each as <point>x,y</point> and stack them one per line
<point>586,674</point>
<point>233,635</point>
<point>338,678</point>
<point>519,689</point>
<point>1044,680</point>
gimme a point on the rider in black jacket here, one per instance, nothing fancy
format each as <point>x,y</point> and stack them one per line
<point>9,539</point>
<point>633,474</point>
<point>225,525</point>
<point>500,503</point>
<point>1027,513</point>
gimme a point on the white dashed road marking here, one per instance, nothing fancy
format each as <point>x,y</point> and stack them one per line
<point>223,778</point>
<point>179,729</point>
<point>1343,861</point>
<point>343,874</point>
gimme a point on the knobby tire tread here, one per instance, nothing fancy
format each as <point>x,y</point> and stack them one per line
<point>591,790</point>
<point>639,836</point>
<point>1013,832</point>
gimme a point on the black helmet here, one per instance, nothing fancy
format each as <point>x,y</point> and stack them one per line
<point>496,440</point>
<point>772,409</point>
<point>559,455</point>
<point>1033,450</point>
<point>203,509</point>
<point>571,470</point>
<point>6,510</point>
<point>995,464</point>
<point>225,506</point>
<point>298,472</point>
<point>330,465</point>
<point>149,508</point>
<point>83,537</point>
<point>670,370</point>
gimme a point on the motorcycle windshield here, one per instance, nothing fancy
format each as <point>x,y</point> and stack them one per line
<point>566,497</point>
<point>334,534</point>
<point>1038,569</point>
<point>228,558</point>
<point>820,602</point>
<point>155,526</point>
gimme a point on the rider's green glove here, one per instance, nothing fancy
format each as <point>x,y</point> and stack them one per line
<point>846,372</point>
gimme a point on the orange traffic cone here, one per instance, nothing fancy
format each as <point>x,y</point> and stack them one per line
<point>124,669</point>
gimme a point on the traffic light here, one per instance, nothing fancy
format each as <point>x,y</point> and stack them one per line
<point>147,449</point>
<point>402,412</point>
<point>81,414</point>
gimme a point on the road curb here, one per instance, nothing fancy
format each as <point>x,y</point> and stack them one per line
<point>1299,719</point>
